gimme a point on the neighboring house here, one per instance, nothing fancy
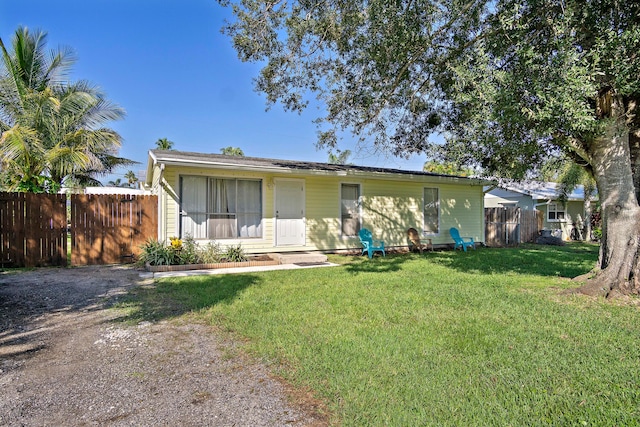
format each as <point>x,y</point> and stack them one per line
<point>272,205</point>
<point>543,196</point>
<point>115,190</point>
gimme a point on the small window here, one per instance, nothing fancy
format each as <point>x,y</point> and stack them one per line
<point>350,209</point>
<point>431,211</point>
<point>555,212</point>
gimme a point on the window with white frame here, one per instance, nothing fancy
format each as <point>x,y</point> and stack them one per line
<point>431,211</point>
<point>350,209</point>
<point>220,208</point>
<point>556,212</point>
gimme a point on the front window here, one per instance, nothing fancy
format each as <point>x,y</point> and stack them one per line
<point>431,211</point>
<point>555,212</point>
<point>350,206</point>
<point>220,208</point>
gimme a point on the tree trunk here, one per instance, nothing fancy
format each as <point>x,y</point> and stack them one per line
<point>619,262</point>
<point>587,219</point>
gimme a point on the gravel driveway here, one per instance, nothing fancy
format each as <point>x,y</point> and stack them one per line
<point>65,361</point>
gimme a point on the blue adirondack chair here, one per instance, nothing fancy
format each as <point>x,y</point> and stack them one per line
<point>460,241</point>
<point>368,244</point>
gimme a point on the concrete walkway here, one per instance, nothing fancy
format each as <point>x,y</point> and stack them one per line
<point>235,270</point>
<point>287,262</point>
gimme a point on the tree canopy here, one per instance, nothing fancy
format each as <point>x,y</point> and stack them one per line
<point>52,130</point>
<point>232,151</point>
<point>339,158</point>
<point>164,144</point>
<point>507,83</point>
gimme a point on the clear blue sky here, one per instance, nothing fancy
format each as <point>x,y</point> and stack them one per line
<point>167,64</point>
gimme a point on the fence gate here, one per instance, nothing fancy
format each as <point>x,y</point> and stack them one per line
<point>510,226</point>
<point>502,226</point>
<point>33,230</point>
<point>109,228</point>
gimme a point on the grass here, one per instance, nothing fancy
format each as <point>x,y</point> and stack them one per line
<point>444,339</point>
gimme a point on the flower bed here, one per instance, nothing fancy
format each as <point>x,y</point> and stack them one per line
<point>187,267</point>
<point>187,255</point>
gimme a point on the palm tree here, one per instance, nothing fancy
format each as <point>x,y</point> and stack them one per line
<point>117,183</point>
<point>52,131</point>
<point>164,144</point>
<point>232,151</point>
<point>131,178</point>
<point>339,159</point>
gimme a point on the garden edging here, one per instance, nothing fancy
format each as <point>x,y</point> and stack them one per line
<point>217,265</point>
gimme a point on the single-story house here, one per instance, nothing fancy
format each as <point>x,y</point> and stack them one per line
<point>558,217</point>
<point>270,205</point>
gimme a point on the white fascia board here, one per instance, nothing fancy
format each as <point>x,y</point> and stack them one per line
<point>311,172</point>
<point>150,164</point>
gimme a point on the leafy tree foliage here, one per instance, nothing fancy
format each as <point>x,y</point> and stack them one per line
<point>508,83</point>
<point>51,129</point>
<point>164,144</point>
<point>446,168</point>
<point>232,151</point>
<point>339,158</point>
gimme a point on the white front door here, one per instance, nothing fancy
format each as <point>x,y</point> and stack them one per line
<point>289,206</point>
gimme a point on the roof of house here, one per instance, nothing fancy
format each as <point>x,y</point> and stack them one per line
<point>541,190</point>
<point>182,158</point>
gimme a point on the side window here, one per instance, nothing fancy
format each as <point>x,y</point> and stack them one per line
<point>350,209</point>
<point>431,211</point>
<point>555,212</point>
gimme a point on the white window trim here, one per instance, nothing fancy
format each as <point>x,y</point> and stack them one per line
<point>556,210</point>
<point>342,235</point>
<point>425,232</point>
<point>229,241</point>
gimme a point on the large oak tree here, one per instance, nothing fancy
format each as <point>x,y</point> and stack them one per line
<point>508,83</point>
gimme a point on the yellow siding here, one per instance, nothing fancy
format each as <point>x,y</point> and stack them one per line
<point>393,206</point>
<point>389,207</point>
<point>572,209</point>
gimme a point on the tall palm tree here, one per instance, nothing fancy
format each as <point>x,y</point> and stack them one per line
<point>117,183</point>
<point>164,144</point>
<point>52,130</point>
<point>131,178</point>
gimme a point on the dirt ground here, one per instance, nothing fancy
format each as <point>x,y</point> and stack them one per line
<point>66,360</point>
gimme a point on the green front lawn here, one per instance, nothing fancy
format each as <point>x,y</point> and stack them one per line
<point>444,339</point>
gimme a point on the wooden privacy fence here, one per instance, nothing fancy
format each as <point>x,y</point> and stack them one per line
<point>109,228</point>
<point>511,226</point>
<point>105,229</point>
<point>33,229</point>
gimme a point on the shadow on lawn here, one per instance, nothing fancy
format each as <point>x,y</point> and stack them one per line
<point>563,261</point>
<point>172,298</point>
<point>378,264</point>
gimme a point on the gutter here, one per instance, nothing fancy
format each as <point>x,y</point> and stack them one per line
<point>310,172</point>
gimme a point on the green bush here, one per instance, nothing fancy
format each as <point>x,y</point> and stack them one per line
<point>597,233</point>
<point>187,251</point>
<point>156,253</point>
<point>235,253</point>
<point>210,253</point>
